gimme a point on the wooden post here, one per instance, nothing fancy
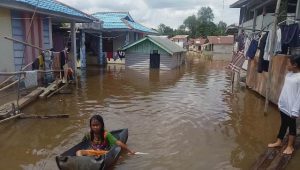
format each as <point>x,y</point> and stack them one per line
<point>100,60</point>
<point>50,33</point>
<point>254,20</point>
<point>272,47</point>
<point>298,11</point>
<point>82,50</point>
<point>73,49</point>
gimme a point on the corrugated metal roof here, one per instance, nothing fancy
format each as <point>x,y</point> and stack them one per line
<point>221,39</point>
<point>180,37</point>
<point>163,42</point>
<point>239,3</point>
<point>54,6</point>
<point>120,20</point>
<point>140,27</point>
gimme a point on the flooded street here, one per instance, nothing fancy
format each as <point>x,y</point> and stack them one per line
<point>185,119</point>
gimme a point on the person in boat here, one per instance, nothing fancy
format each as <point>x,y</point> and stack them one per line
<point>100,139</point>
<point>289,105</point>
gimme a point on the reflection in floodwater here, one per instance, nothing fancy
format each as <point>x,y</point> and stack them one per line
<point>185,118</point>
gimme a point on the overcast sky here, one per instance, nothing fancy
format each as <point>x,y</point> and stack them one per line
<point>153,12</point>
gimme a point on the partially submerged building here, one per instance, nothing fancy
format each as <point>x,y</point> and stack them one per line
<point>119,29</point>
<point>15,19</point>
<point>221,44</point>
<point>181,40</point>
<point>154,52</point>
<point>196,45</point>
<point>257,16</point>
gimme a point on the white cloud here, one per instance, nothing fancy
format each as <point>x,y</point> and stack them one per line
<point>153,12</point>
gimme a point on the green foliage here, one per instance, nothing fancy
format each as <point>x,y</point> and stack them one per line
<point>196,26</point>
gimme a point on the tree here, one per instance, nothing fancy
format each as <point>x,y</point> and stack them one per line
<point>221,28</point>
<point>165,30</point>
<point>191,23</point>
<point>205,15</point>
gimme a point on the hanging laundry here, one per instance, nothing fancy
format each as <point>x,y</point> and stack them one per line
<point>115,56</point>
<point>237,62</point>
<point>252,49</point>
<point>35,64</point>
<point>121,54</point>
<point>30,79</point>
<point>56,61</point>
<point>41,59</point>
<point>261,46</point>
<point>247,44</point>
<point>109,55</point>
<point>241,41</point>
<point>277,48</point>
<point>290,35</point>
<point>62,60</point>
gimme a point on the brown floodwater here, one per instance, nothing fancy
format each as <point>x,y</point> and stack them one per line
<point>185,119</point>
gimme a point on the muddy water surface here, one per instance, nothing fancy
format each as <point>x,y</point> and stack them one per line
<point>184,118</point>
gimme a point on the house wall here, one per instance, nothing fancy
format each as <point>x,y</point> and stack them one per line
<point>223,49</point>
<point>18,33</point>
<point>261,22</point>
<point>6,46</point>
<point>142,61</point>
<point>119,42</point>
<point>180,42</point>
<point>258,81</point>
<point>138,56</point>
<point>178,59</point>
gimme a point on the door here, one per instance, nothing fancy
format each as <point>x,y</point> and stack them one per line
<point>154,59</point>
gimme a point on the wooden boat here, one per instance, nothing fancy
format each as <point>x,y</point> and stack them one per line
<point>69,161</point>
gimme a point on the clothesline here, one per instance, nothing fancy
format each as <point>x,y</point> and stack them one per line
<point>105,37</point>
<point>24,43</point>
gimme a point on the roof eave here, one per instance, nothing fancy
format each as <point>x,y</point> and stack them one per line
<point>47,12</point>
<point>239,4</point>
<point>161,46</point>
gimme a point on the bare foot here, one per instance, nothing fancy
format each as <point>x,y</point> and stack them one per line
<point>276,144</point>
<point>288,150</point>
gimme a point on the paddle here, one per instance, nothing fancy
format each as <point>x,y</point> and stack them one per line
<point>141,153</point>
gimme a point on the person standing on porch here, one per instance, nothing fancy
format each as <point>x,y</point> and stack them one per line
<point>289,105</point>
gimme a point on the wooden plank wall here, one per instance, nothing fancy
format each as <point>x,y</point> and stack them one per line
<point>142,61</point>
<point>258,81</point>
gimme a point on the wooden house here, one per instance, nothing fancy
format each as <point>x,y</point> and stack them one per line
<point>154,52</point>
<point>181,40</point>
<point>119,29</point>
<point>15,19</point>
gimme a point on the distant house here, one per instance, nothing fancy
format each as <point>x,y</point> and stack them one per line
<point>16,23</point>
<point>154,52</point>
<point>119,30</point>
<point>221,44</point>
<point>181,40</point>
<point>197,44</point>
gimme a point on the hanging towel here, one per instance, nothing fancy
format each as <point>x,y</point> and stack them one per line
<point>56,61</point>
<point>30,79</point>
<point>247,45</point>
<point>252,49</point>
<point>290,35</point>
<point>277,47</point>
<point>109,55</point>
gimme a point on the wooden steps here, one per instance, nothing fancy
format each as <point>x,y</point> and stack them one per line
<point>9,109</point>
<point>52,87</point>
<point>274,159</point>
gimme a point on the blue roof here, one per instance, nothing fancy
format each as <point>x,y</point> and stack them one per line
<point>54,6</point>
<point>121,20</point>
